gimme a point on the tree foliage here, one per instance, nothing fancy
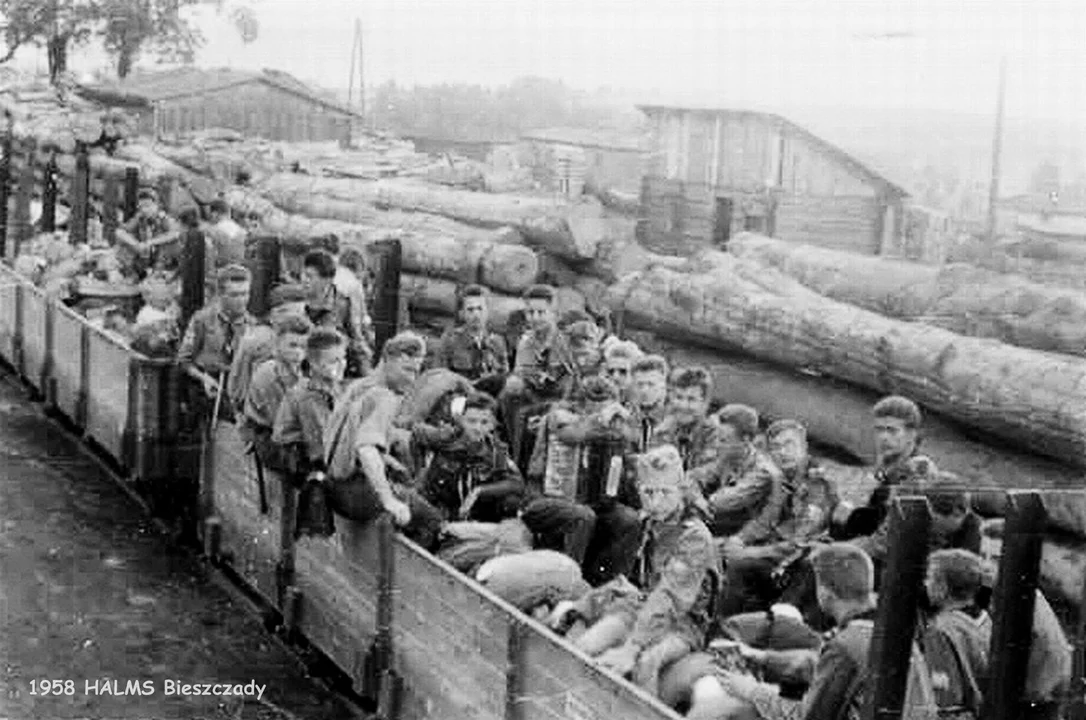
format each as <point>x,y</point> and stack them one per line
<point>476,113</point>
<point>126,28</point>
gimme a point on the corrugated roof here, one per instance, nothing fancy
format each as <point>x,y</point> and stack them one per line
<point>861,168</point>
<point>170,84</point>
<point>602,139</point>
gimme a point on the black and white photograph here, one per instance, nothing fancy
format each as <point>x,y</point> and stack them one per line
<point>542,360</point>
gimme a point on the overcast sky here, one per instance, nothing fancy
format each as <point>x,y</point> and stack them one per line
<point>752,53</point>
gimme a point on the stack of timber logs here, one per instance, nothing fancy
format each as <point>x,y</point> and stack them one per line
<point>964,299</point>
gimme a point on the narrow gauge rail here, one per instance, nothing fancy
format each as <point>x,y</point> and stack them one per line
<point>412,634</point>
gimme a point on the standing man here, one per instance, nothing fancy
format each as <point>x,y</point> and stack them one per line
<point>471,349</point>
<point>326,307</point>
<point>258,343</point>
<point>215,330</point>
<point>271,382</point>
<point>359,437</point>
<point>348,282</point>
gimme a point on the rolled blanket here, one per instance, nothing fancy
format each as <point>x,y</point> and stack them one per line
<point>528,580</point>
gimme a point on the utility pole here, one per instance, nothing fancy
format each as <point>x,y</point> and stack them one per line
<point>997,150</point>
<point>356,62</point>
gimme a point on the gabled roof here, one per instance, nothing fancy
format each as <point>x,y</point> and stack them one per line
<point>183,82</point>
<point>598,139</point>
<point>846,159</point>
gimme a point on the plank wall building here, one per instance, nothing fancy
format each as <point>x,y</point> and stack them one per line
<point>269,104</point>
<point>711,173</point>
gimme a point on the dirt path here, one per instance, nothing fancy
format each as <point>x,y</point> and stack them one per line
<point>90,592</point>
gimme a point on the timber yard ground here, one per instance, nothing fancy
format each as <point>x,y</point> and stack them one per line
<point>90,590</point>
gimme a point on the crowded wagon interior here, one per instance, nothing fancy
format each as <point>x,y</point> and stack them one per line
<point>616,494</point>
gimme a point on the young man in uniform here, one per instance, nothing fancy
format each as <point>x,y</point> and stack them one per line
<point>227,236</point>
<point>470,348</point>
<point>687,425</point>
<point>216,329</point>
<point>649,390</point>
<point>151,236</point>
<point>360,435</point>
<point>271,382</point>
<point>258,343</point>
<point>304,412</point>
<point>745,490</point>
<point>471,476</point>
<point>326,307</point>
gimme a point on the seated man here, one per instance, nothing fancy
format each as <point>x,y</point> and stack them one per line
<point>956,637</point>
<point>745,490</point>
<point>271,382</point>
<point>687,425</point>
<point>897,438</point>
<point>665,614</point>
<point>649,401</point>
<point>357,440</point>
<point>838,679</point>
<point>618,359</point>
<point>151,236</point>
<point>471,476</point>
<point>542,360</point>
<point>258,343</point>
<point>215,330</point>
<point>809,501</point>
<point>470,348</point>
<point>583,482</point>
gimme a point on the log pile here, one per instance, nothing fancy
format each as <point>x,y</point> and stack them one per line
<point>1026,398</point>
<point>962,298</point>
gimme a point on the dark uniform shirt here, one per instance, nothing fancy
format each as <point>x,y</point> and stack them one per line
<point>461,466</point>
<point>746,500</point>
<point>301,420</point>
<point>698,444</point>
<point>473,356</point>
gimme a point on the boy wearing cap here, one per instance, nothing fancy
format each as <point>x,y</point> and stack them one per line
<point>304,412</point>
<point>666,611</point>
<point>582,470</point>
<point>359,435</point>
<point>271,381</point>
<point>258,343</point>
<point>215,330</point>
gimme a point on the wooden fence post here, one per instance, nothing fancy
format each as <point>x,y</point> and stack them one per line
<point>388,261</point>
<point>264,258</point>
<point>110,202</point>
<point>895,623</point>
<point>1015,593</point>
<point>80,199</point>
<point>5,183</point>
<point>193,274</point>
<point>49,194</point>
<point>24,194</point>
<point>1076,694</point>
<point>165,194</point>
<point>131,192</point>
<point>514,670</point>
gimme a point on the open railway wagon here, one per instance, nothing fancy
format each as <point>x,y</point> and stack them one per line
<point>412,634</point>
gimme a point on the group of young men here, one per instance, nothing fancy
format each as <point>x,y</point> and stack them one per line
<point>680,519</point>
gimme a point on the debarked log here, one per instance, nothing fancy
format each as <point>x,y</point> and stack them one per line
<point>566,229</point>
<point>1029,399</point>
<point>961,298</point>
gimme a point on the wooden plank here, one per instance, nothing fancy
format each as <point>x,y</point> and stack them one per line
<point>35,342</point>
<point>107,396</point>
<point>22,227</point>
<point>337,578</point>
<point>79,197</point>
<point>450,642</point>
<point>248,536</point>
<point>49,195</point>
<point>9,289</point>
<point>110,207</point>
<point>68,361</point>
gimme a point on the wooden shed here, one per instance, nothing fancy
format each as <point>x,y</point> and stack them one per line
<point>269,104</point>
<point>565,159</point>
<point>713,172</point>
